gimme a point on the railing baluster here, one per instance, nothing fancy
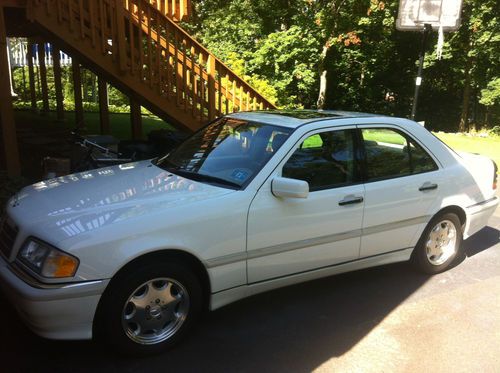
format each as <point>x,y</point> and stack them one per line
<point>131,31</point>
<point>70,14</point>
<point>184,72</point>
<point>102,16</point>
<point>140,40</point>
<point>80,15</point>
<point>167,59</point>
<point>193,82</point>
<point>59,11</point>
<point>92,21</point>
<point>176,68</point>
<point>227,90</point>
<point>149,48</point>
<point>158,54</point>
<point>219,91</point>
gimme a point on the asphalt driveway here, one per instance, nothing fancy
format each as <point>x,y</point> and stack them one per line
<point>382,319</point>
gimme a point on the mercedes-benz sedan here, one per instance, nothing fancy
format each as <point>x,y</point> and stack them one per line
<point>252,202</point>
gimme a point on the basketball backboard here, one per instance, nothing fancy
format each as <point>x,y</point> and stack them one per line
<point>413,14</point>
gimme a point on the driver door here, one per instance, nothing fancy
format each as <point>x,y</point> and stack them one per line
<point>292,235</point>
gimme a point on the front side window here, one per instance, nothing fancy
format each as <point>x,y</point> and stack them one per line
<point>391,154</point>
<point>324,160</point>
<point>228,152</point>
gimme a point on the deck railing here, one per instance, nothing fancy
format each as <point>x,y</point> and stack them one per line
<point>144,40</point>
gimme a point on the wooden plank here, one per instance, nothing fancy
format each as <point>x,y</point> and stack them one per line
<point>158,59</point>
<point>131,31</point>
<point>77,85</point>
<point>7,124</point>
<point>135,119</point>
<point>102,88</point>
<point>104,27</point>
<point>92,22</point>
<point>120,33</point>
<point>211,86</point>
<point>59,11</point>
<point>140,40</point>
<point>194,82</point>
<point>184,77</point>
<point>150,49</point>
<point>31,75</point>
<point>56,66</point>
<point>43,77</point>
<point>82,20</point>
<point>70,14</point>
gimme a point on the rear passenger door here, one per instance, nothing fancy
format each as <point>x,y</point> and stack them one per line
<point>401,182</point>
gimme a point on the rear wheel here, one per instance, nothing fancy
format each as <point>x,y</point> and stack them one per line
<point>440,245</point>
<point>151,308</point>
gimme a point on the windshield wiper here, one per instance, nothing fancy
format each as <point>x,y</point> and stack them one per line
<point>203,177</point>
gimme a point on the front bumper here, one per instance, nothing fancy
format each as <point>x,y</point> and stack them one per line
<point>62,311</point>
<point>478,215</point>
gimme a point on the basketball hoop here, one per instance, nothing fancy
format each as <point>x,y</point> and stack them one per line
<point>425,16</point>
<point>414,14</point>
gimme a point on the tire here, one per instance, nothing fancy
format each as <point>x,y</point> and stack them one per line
<point>440,245</point>
<point>150,308</point>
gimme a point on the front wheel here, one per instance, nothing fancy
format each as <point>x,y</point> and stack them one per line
<point>151,308</point>
<point>440,245</point>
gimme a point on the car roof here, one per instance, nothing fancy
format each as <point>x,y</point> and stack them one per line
<point>296,118</point>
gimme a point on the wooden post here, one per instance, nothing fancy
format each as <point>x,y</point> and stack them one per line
<point>43,77</point>
<point>77,88</point>
<point>31,74</point>
<point>7,123</point>
<point>56,65</point>
<point>102,88</point>
<point>135,119</point>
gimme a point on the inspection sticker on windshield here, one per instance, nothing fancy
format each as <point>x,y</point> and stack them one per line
<point>239,175</point>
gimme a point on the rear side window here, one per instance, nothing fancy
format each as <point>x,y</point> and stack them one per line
<point>391,154</point>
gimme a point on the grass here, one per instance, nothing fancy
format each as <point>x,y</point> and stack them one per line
<point>487,146</point>
<point>120,123</point>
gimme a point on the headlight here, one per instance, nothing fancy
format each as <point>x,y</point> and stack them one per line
<point>47,260</point>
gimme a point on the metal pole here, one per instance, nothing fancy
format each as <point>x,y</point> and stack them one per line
<point>418,81</point>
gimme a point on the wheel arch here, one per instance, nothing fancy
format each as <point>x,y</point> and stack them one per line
<point>457,210</point>
<point>177,255</point>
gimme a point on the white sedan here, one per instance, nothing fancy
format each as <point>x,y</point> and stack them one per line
<point>254,201</point>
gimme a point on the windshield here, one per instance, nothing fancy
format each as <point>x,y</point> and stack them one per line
<point>228,152</point>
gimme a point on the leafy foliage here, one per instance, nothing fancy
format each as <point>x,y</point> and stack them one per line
<point>284,45</point>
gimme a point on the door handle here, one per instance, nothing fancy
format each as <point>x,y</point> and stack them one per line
<point>428,186</point>
<point>350,200</point>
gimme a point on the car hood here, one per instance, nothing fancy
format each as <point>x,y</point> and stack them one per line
<point>92,199</point>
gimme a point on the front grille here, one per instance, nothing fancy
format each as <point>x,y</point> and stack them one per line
<point>8,234</point>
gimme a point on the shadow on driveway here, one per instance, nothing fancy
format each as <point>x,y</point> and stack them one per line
<point>291,329</point>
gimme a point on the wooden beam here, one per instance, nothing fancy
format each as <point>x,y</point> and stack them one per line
<point>135,119</point>
<point>102,88</point>
<point>43,77</point>
<point>14,3</point>
<point>56,66</point>
<point>7,123</point>
<point>31,75</point>
<point>77,88</point>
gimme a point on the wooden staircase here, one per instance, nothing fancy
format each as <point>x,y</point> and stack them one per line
<point>138,46</point>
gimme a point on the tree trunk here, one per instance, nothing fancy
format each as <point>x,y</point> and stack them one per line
<point>463,125</point>
<point>323,82</point>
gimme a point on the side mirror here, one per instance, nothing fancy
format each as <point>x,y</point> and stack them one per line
<point>289,188</point>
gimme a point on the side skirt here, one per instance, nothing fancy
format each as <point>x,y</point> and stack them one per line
<point>228,296</point>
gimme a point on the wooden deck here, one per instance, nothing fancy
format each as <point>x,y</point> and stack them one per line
<point>135,45</point>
